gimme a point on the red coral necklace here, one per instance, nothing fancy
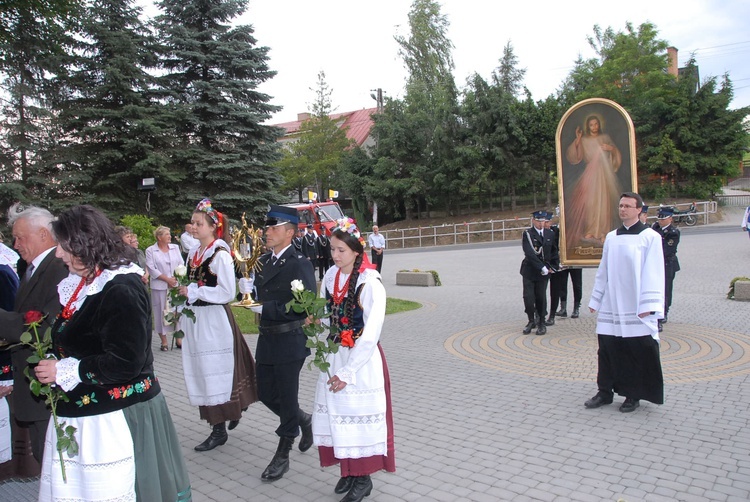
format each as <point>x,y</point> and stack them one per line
<point>197,260</point>
<point>69,309</point>
<point>339,294</point>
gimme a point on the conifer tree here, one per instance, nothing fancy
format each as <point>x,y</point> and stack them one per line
<point>211,72</point>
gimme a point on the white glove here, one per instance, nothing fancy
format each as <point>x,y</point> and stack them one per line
<point>258,309</point>
<point>246,285</point>
<point>545,271</point>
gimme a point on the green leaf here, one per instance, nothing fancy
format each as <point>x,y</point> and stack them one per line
<point>25,337</point>
<point>33,359</point>
<point>35,387</point>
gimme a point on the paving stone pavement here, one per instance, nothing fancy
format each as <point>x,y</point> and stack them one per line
<point>483,413</point>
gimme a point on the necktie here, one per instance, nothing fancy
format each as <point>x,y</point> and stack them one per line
<point>29,271</point>
<point>274,259</point>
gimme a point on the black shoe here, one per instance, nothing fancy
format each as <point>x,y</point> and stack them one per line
<point>280,462</point>
<point>575,313</point>
<point>664,321</point>
<point>344,485</point>
<point>660,324</point>
<point>305,425</point>
<point>600,399</point>
<point>550,320</point>
<point>529,327</point>
<point>233,424</point>
<point>563,312</point>
<point>361,488</point>
<point>218,437</point>
<point>629,405</point>
<point>541,329</point>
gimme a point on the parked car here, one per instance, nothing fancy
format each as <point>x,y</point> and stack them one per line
<point>321,215</point>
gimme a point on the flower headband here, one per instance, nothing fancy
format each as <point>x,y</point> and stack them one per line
<point>206,207</point>
<point>347,225</point>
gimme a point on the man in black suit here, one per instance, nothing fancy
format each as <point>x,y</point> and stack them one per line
<point>37,292</point>
<point>281,350</point>
<point>539,252</point>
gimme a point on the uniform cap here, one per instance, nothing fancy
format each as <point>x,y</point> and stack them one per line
<point>539,215</point>
<point>278,215</point>
<point>644,209</point>
<point>665,212</point>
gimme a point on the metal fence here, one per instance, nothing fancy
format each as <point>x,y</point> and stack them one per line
<point>494,230</point>
<point>733,200</point>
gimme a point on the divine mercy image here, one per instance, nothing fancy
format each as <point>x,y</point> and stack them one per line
<point>596,163</point>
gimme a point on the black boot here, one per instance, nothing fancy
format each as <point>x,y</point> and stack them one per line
<point>563,312</point>
<point>344,485</point>
<point>576,312</point>
<point>527,329</point>
<point>280,461</point>
<point>361,488</point>
<point>305,425</point>
<point>550,320</point>
<point>218,437</point>
<point>541,329</point>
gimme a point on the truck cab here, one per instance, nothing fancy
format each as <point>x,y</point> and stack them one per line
<point>321,215</point>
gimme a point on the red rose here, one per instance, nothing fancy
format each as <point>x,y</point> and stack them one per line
<point>344,320</point>
<point>201,284</point>
<point>33,316</point>
<point>346,338</point>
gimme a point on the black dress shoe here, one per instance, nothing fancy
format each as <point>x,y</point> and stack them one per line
<point>305,425</point>
<point>550,321</point>
<point>344,485</point>
<point>529,327</point>
<point>629,405</point>
<point>600,399</point>
<point>541,329</point>
<point>361,488</point>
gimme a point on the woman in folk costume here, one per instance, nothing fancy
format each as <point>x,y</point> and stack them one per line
<point>352,417</point>
<point>128,446</point>
<point>219,368</point>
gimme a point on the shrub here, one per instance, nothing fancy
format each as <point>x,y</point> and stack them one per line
<point>142,226</point>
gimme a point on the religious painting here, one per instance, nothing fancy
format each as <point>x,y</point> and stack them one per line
<point>596,162</point>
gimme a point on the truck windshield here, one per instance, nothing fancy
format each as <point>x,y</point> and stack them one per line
<point>330,213</point>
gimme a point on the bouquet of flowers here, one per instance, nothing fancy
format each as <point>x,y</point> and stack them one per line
<point>305,301</point>
<point>177,302</point>
<point>41,347</point>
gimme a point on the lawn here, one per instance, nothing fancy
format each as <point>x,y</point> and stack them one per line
<point>246,318</point>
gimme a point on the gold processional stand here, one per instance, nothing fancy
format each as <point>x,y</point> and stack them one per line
<point>247,243</point>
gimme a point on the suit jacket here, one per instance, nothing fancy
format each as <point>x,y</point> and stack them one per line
<point>39,293</point>
<point>539,252</point>
<point>273,285</point>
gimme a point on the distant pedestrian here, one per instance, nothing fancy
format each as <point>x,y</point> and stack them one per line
<point>629,296</point>
<point>376,241</point>
<point>323,248</point>
<point>643,215</point>
<point>187,241</point>
<point>746,220</point>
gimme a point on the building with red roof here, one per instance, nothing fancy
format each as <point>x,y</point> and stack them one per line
<point>357,124</point>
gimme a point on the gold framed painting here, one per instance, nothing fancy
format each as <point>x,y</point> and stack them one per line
<point>595,145</point>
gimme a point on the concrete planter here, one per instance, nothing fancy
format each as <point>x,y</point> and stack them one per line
<point>742,290</point>
<point>415,279</point>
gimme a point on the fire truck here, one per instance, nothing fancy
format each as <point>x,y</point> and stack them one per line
<point>321,215</point>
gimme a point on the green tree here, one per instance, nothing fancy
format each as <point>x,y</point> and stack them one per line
<point>112,126</point>
<point>313,159</point>
<point>418,164</point>
<point>33,42</point>
<point>210,75</point>
<point>684,130</point>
